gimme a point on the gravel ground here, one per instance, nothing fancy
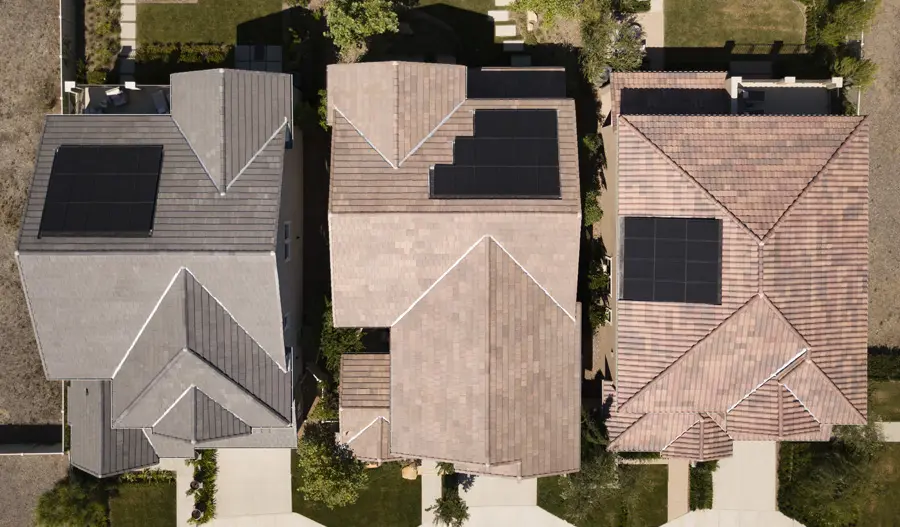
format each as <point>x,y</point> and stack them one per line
<point>882,44</point>
<point>29,30</point>
<point>23,480</point>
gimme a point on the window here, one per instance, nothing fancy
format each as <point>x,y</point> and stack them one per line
<point>672,260</point>
<point>286,241</point>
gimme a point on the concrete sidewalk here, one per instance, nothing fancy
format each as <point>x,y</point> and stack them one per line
<point>748,480</point>
<point>679,488</point>
<point>184,474</point>
<point>891,431</point>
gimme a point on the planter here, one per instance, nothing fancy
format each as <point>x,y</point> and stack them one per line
<point>196,514</point>
<point>196,485</point>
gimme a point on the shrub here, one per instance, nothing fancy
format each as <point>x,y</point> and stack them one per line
<point>148,476</point>
<point>630,7</point>
<point>323,109</point>
<point>598,285</point>
<point>79,500</point>
<point>327,407</point>
<point>96,77</point>
<point>335,342</point>
<point>846,21</point>
<point>185,53</point>
<point>592,145</point>
<point>156,52</point>
<point>859,73</point>
<point>205,470</point>
<point>884,364</point>
<point>450,509</point>
<point>548,9</point>
<point>352,22</point>
<point>328,471</point>
<point>701,485</point>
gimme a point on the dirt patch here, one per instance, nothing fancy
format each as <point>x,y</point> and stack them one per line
<point>29,29</point>
<point>882,45</point>
<point>23,480</point>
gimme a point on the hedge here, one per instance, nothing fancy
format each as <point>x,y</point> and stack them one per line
<point>884,364</point>
<point>186,53</point>
<point>701,481</point>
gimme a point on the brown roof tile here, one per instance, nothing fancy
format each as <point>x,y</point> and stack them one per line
<point>803,262</point>
<point>365,380</point>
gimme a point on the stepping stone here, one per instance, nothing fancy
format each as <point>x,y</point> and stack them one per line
<point>505,30</point>
<point>129,13</point>
<point>129,31</point>
<point>503,3</point>
<point>499,16</point>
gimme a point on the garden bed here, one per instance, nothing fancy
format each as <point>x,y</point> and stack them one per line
<point>101,35</point>
<point>712,23</point>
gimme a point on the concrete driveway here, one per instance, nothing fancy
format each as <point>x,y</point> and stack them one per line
<point>748,480</point>
<point>253,481</point>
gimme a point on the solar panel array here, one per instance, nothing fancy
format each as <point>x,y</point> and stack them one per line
<point>508,83</point>
<point>513,154</point>
<point>102,191</point>
<point>673,260</point>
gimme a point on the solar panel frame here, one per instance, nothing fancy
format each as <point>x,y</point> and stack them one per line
<point>672,259</point>
<point>102,191</point>
<point>513,154</point>
<point>532,83</point>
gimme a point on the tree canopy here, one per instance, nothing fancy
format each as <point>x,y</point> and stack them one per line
<point>352,22</point>
<point>329,473</point>
<point>334,342</point>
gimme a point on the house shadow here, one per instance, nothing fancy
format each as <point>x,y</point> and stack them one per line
<point>751,60</point>
<point>31,439</point>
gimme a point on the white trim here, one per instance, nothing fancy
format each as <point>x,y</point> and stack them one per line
<point>431,133</point>
<point>180,397</point>
<point>338,110</point>
<point>769,378</point>
<point>513,258</point>
<point>366,428</point>
<point>692,425</point>
<point>252,159</point>
<point>149,318</point>
<point>186,140</point>
<point>801,403</point>
<point>233,318</point>
<point>436,282</point>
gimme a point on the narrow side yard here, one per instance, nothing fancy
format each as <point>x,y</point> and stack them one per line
<point>211,21</point>
<point>712,23</point>
<point>389,501</point>
<point>885,509</point>
<point>885,400</point>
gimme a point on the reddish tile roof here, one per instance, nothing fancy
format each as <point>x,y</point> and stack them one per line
<point>783,356</point>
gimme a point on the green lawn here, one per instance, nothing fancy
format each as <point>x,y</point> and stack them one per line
<point>479,6</point>
<point>652,513</point>
<point>143,505</point>
<point>211,21</point>
<point>390,501</point>
<point>884,511</point>
<point>712,23</point>
<point>885,400</point>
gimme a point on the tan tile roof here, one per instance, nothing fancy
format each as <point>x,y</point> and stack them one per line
<point>367,431</point>
<point>792,195</point>
<point>365,380</point>
<point>498,381</point>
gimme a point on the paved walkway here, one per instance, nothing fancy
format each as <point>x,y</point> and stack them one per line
<point>127,40</point>
<point>891,432</point>
<point>748,480</point>
<point>184,474</point>
<point>679,488</point>
<point>654,24</point>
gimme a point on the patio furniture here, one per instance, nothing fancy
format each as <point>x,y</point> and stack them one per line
<point>159,100</point>
<point>118,96</point>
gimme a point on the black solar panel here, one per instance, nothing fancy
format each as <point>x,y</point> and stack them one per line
<point>672,260</point>
<point>102,191</point>
<point>513,154</point>
<point>516,84</point>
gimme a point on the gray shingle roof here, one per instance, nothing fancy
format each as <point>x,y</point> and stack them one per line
<point>96,447</point>
<point>198,418</point>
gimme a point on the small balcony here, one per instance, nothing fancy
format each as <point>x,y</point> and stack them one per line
<point>111,99</point>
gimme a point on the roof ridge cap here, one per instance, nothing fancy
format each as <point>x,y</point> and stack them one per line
<point>659,375</point>
<point>193,151</point>
<point>693,180</point>
<point>815,178</point>
<point>265,145</point>
<point>836,387</point>
<point>366,139</point>
<point>773,376</point>
<point>149,385</point>
<point>222,112</point>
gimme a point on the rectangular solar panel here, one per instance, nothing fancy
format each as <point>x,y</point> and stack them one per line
<point>514,154</point>
<point>507,83</point>
<point>672,260</point>
<point>102,190</point>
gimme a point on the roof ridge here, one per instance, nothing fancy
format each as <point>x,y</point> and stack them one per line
<point>375,148</point>
<point>396,67</point>
<point>815,178</point>
<point>771,305</point>
<point>745,305</point>
<point>191,148</point>
<point>430,134</point>
<point>693,180</point>
<point>794,395</point>
<point>254,156</point>
<point>222,111</point>
<point>149,385</point>
<point>686,430</point>
<point>768,379</point>
<point>836,387</point>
